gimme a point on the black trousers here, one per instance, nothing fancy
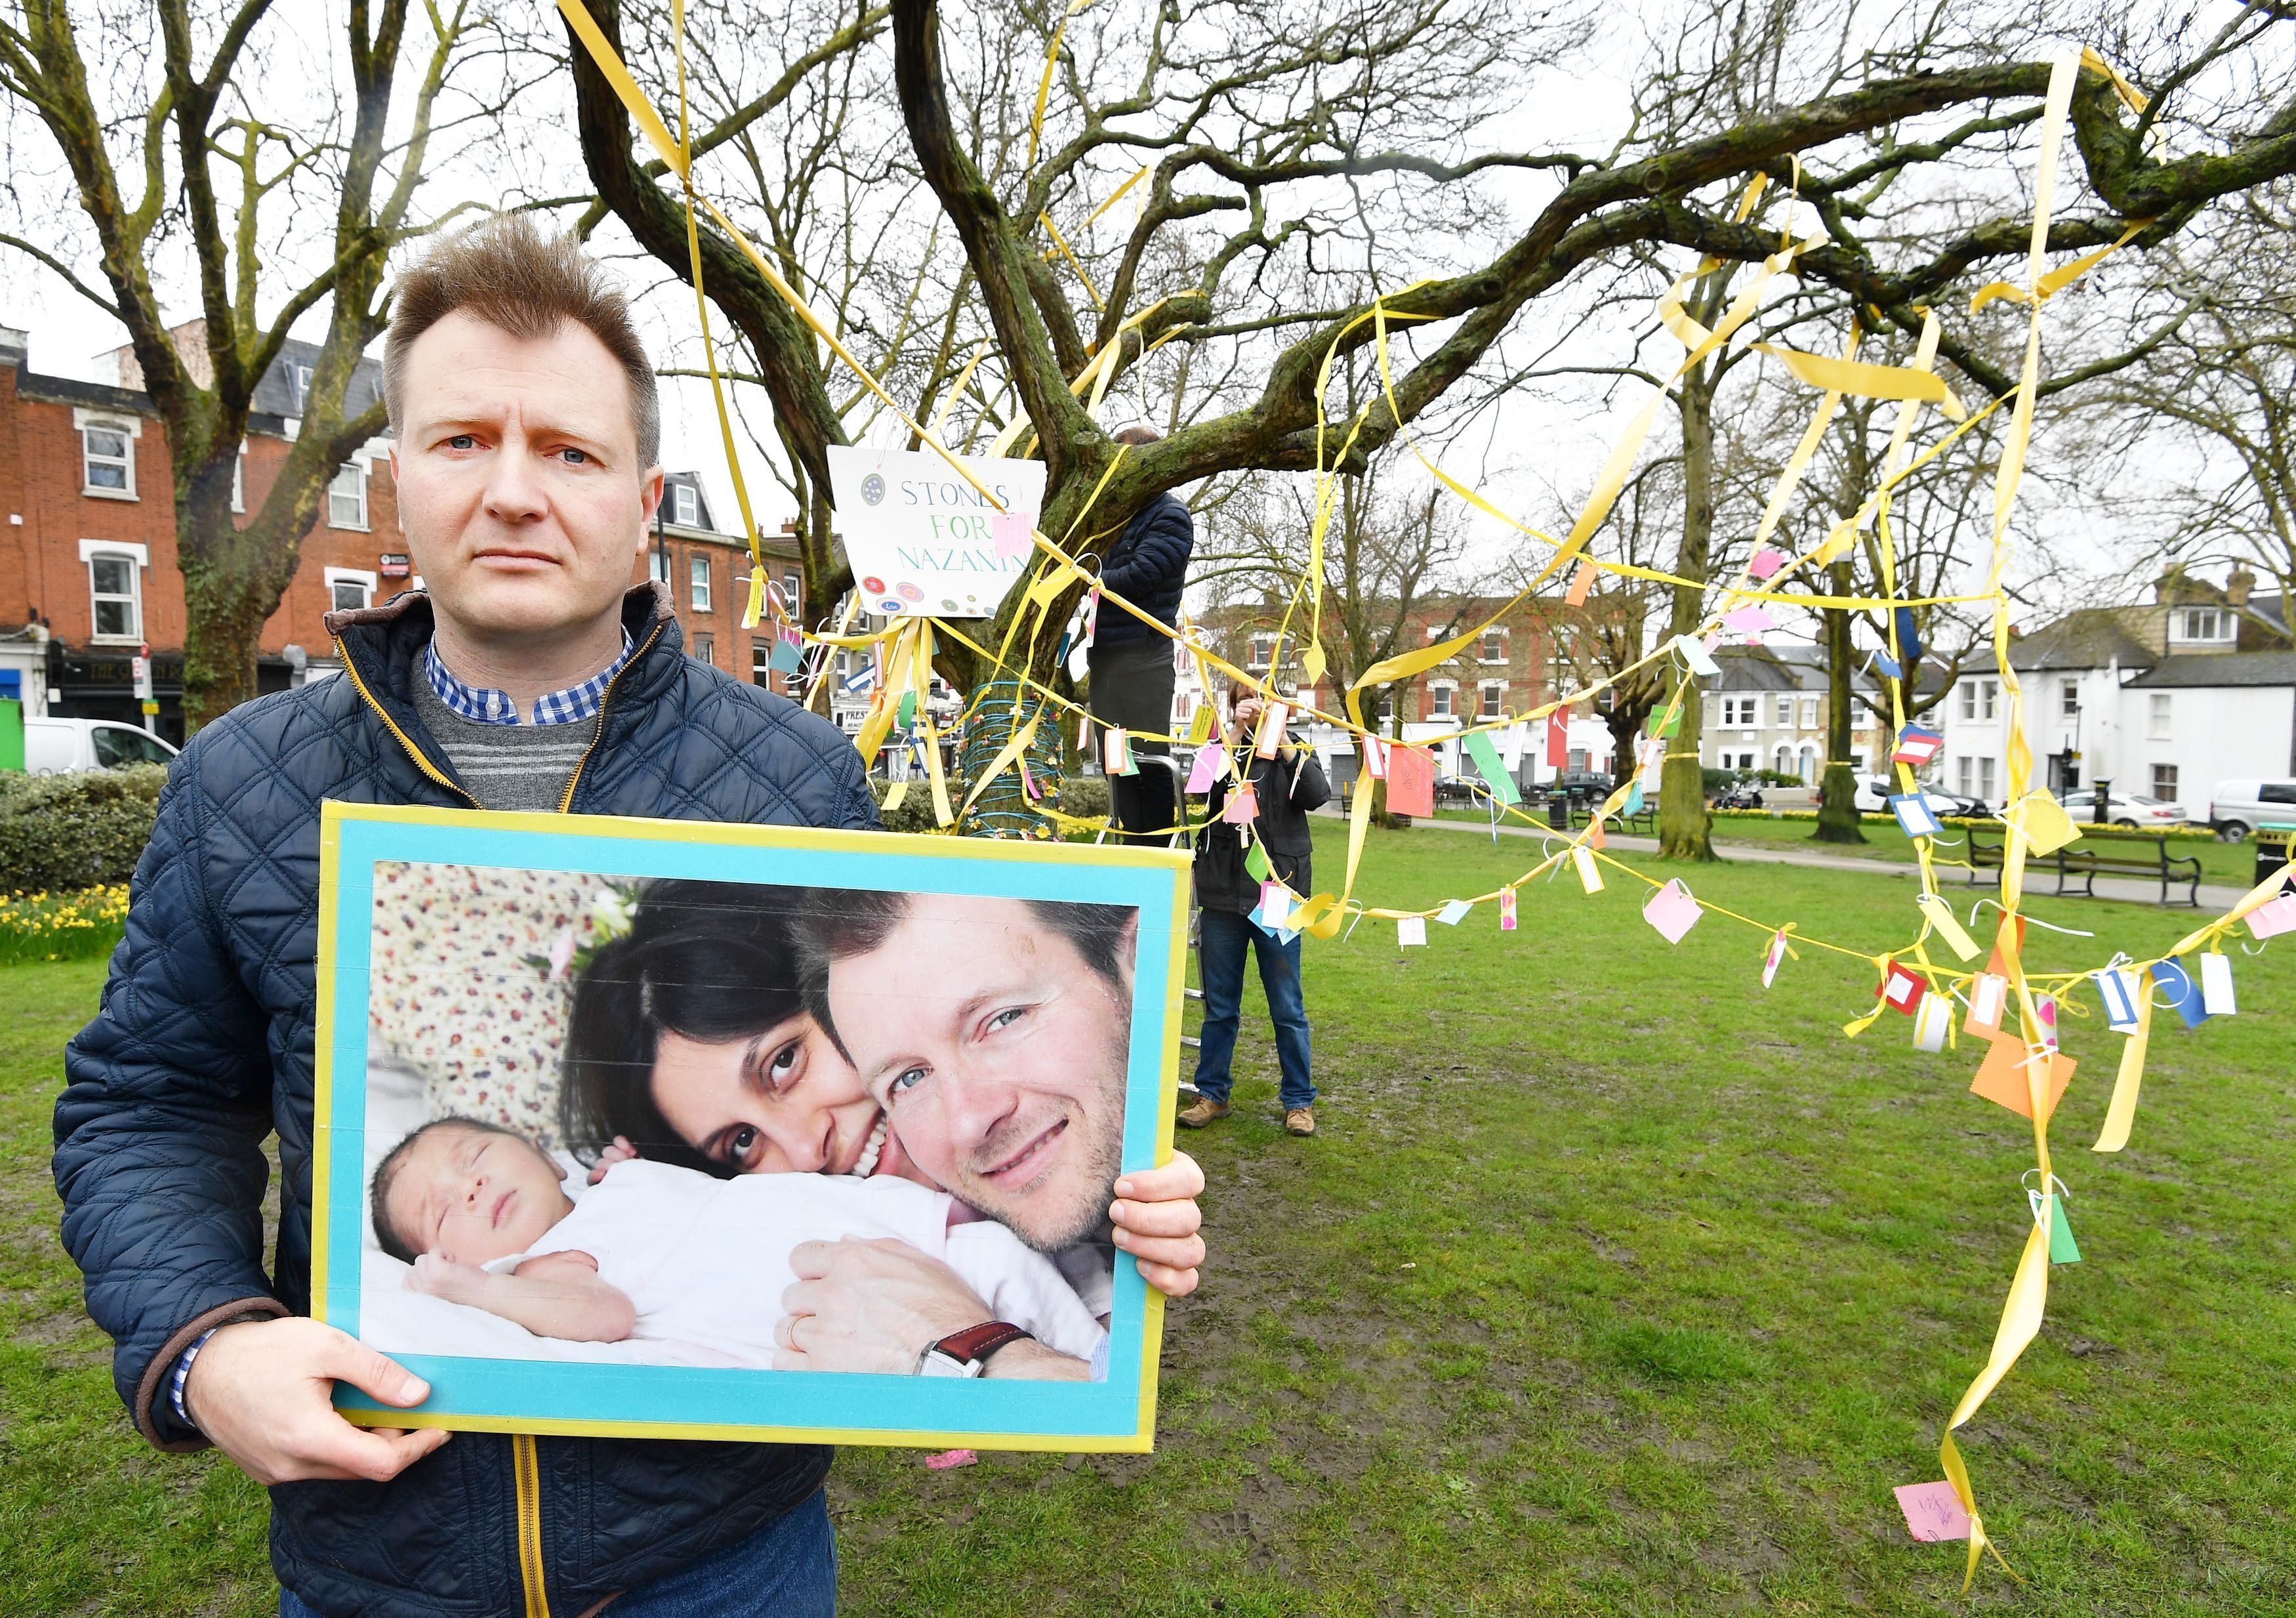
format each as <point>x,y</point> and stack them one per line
<point>1132,683</point>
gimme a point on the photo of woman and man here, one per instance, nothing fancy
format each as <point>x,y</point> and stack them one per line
<point>707,1124</point>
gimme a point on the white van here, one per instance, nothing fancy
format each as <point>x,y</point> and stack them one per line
<point>58,747</point>
<point>2237,808</point>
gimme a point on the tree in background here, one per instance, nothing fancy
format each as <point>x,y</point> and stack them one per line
<point>205,138</point>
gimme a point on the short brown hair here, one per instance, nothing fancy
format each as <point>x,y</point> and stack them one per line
<point>507,273</point>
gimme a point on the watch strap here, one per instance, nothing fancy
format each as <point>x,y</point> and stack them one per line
<point>978,1343</point>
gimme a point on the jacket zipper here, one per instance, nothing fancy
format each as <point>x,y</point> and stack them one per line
<point>524,1464</point>
<point>529,1471</point>
<point>390,725</point>
<point>566,803</point>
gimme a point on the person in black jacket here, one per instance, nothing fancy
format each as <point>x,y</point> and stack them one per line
<point>1131,664</point>
<point>526,478</point>
<point>1286,787</point>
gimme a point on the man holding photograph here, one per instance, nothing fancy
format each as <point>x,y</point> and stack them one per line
<point>529,677</point>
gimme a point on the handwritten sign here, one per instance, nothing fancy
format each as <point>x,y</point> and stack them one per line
<point>924,542</point>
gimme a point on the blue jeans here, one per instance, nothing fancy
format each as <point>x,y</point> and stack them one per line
<point>787,1569</point>
<point>1223,940</point>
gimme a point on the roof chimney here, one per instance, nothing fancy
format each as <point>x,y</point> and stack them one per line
<point>2238,587</point>
<point>15,347</point>
<point>2167,587</point>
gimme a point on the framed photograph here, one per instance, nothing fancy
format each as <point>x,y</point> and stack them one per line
<point>656,1129</point>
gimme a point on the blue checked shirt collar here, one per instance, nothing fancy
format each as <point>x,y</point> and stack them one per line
<point>581,702</point>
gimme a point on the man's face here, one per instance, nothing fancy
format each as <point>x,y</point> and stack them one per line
<point>472,1195</point>
<point>1000,1054</point>
<point>519,486</point>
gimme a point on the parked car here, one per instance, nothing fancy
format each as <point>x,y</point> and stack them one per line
<point>1961,804</point>
<point>2132,809</point>
<point>58,747</point>
<point>2237,808</point>
<point>1585,783</point>
<point>1875,792</point>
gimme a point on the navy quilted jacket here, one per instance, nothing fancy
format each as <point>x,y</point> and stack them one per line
<point>202,1048</point>
<point>1148,566</point>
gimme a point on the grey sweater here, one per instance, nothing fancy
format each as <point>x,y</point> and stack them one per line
<point>507,767</point>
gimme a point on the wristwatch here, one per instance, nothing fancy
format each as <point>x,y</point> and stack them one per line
<point>966,1354</point>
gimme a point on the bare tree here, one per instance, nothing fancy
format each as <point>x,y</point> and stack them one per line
<point>202,135</point>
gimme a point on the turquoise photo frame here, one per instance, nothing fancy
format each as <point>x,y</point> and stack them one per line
<point>695,1402</point>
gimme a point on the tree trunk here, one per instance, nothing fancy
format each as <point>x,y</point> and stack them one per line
<point>1837,800</point>
<point>1682,817</point>
<point>233,578</point>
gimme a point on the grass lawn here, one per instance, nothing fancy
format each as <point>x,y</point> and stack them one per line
<point>2231,864</point>
<point>1612,1284</point>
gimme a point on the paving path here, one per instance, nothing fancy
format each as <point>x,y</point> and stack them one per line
<point>2214,899</point>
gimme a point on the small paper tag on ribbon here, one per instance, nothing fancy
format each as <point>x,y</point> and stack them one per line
<point>1694,653</point>
<point>1590,877</point>
<point>1917,745</point>
<point>1931,1022</point>
<point>1903,989</point>
<point>1948,926</point>
<point>2045,1011</point>
<point>1454,912</point>
<point>2274,916</point>
<point>1374,759</point>
<point>2117,988</point>
<point>1765,563</point>
<point>1255,860</point>
<point>1271,730</point>
<point>1773,957</point>
<point>1116,753</point>
<point>1932,1512</point>
<point>1410,930</point>
<point>1581,583</point>
<point>1672,911</point>
<point>1242,806</point>
<point>2062,1249</point>
<point>1750,620</point>
<point>2174,981</point>
<point>1010,529</point>
<point>1989,1002</point>
<point>788,654</point>
<point>1209,761</point>
<point>1274,905</point>
<point>2215,985</point>
<point>2001,1077</point>
<point>1506,909</point>
<point>1913,813</point>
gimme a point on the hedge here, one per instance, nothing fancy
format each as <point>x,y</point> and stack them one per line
<point>2200,832</point>
<point>60,833</point>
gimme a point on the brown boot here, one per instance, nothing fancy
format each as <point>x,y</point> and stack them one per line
<point>1203,1112</point>
<point>1299,1120</point>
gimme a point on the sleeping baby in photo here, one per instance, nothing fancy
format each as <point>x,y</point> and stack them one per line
<point>653,1251</point>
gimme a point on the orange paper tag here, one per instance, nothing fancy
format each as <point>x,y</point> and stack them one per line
<point>1581,582</point>
<point>2001,1077</point>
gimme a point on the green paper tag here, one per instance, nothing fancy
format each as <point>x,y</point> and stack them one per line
<point>2061,1248</point>
<point>908,709</point>
<point>1255,862</point>
<point>1491,767</point>
<point>1673,724</point>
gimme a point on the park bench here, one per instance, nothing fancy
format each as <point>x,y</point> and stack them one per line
<point>2090,863</point>
<point>2087,864</point>
<point>1642,823</point>
<point>1983,856</point>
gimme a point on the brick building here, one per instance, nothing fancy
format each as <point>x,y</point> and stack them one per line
<point>88,573</point>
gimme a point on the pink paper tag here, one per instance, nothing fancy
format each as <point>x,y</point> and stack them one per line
<point>1672,911</point>
<point>1242,807</point>
<point>1932,1512</point>
<point>1765,563</point>
<point>1010,529</point>
<point>2279,915</point>
<point>1506,909</point>
<point>1750,620</point>
<point>951,1458</point>
<point>1275,904</point>
<point>1207,768</point>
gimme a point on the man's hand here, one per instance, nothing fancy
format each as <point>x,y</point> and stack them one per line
<point>262,1392</point>
<point>869,1306</point>
<point>1156,1221</point>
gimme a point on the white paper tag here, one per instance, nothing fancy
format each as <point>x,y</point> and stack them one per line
<point>2215,985</point>
<point>1411,930</point>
